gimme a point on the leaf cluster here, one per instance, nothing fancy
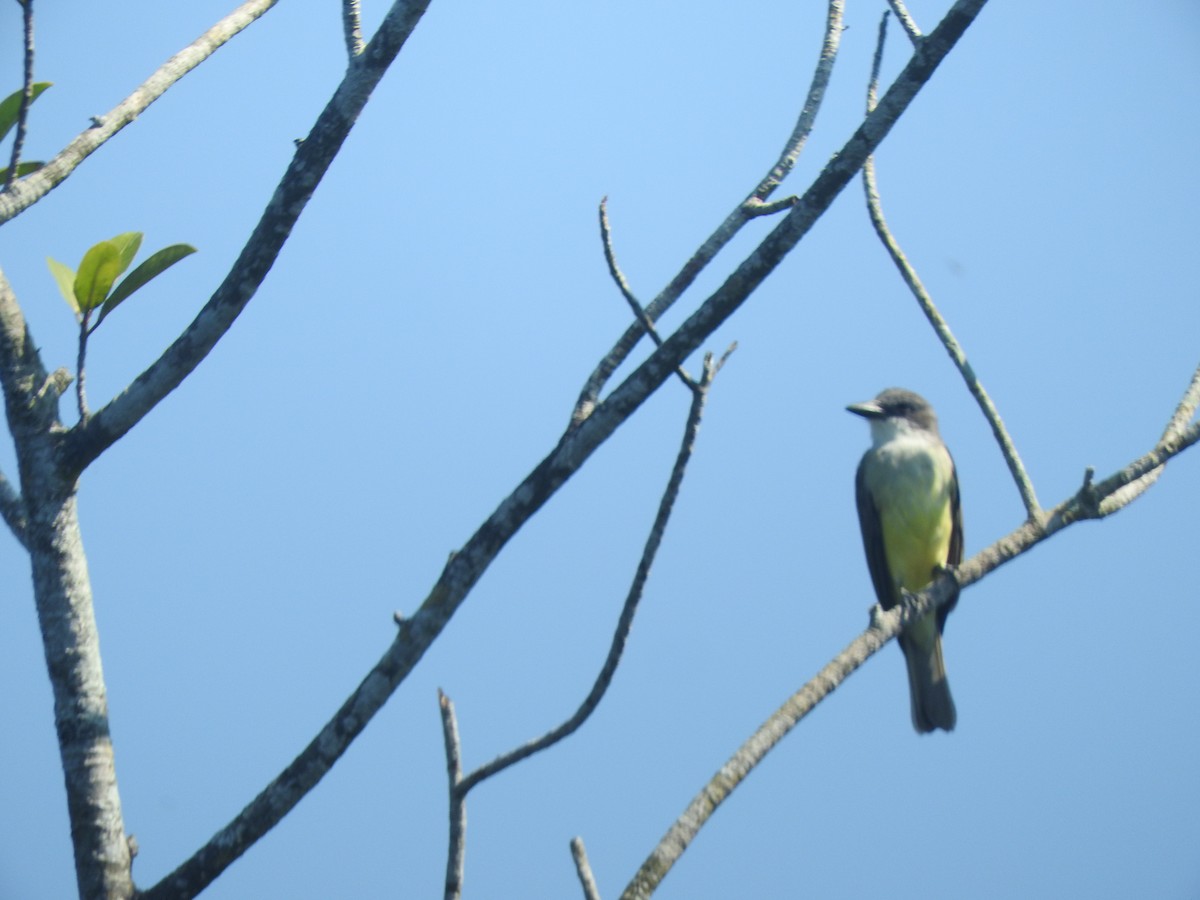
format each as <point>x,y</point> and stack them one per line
<point>91,287</point>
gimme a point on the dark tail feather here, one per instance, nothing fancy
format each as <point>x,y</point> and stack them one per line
<point>932,705</point>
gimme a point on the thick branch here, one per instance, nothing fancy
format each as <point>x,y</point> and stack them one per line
<point>884,626</point>
<point>940,326</point>
<point>28,190</point>
<point>66,618</point>
<point>312,159</point>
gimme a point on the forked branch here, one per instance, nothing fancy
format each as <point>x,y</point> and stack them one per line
<point>460,786</point>
<point>753,206</point>
<point>925,301</point>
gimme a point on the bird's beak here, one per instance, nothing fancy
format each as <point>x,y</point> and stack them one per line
<point>868,410</point>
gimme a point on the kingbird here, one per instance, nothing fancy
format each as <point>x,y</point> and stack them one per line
<point>907,491</point>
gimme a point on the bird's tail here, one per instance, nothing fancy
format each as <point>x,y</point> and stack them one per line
<point>932,705</point>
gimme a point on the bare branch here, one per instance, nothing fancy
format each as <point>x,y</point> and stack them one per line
<point>623,286</point>
<point>619,277</point>
<point>751,207</point>
<point>1183,414</point>
<point>352,26</point>
<point>26,94</point>
<point>12,509</point>
<point>456,856</point>
<point>417,633</point>
<point>26,191</point>
<point>632,599</point>
<point>312,158</point>
<point>906,21</point>
<point>884,626</point>
<point>755,208</point>
<point>941,328</point>
<point>812,104</point>
<point>584,869</point>
<point>1186,410</point>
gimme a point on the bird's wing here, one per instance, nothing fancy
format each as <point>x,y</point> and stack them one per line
<point>872,535</point>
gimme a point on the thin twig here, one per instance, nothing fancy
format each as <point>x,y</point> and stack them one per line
<point>26,94</point>
<point>456,856</point>
<point>80,361</point>
<point>940,327</point>
<point>812,104</point>
<point>632,599</point>
<point>754,208</point>
<point>618,276</point>
<point>12,509</point>
<point>32,188</point>
<point>584,869</point>
<point>906,21</point>
<point>1186,410</point>
<point>352,27</point>
<point>623,286</point>
<point>884,626</point>
<point>749,208</point>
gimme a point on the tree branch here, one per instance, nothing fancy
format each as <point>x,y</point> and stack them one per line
<point>417,633</point>
<point>456,858</point>
<point>66,617</point>
<point>623,286</point>
<point>460,786</point>
<point>1186,410</point>
<point>583,868</point>
<point>632,599</point>
<point>28,190</point>
<point>12,510</point>
<point>26,95</point>
<point>925,301</point>
<point>750,208</point>
<point>352,27</point>
<point>884,626</point>
<point>91,437</point>
<point>906,21</point>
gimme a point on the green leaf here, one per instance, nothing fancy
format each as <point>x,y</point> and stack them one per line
<point>10,107</point>
<point>151,268</point>
<point>99,269</point>
<point>25,168</point>
<point>65,277</point>
<point>128,244</point>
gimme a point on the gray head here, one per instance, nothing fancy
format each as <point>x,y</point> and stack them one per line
<point>902,410</point>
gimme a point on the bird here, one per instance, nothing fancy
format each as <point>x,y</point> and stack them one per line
<point>906,486</point>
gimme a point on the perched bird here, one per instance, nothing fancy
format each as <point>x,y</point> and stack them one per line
<point>908,507</point>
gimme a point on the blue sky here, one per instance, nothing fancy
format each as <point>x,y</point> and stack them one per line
<point>416,351</point>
